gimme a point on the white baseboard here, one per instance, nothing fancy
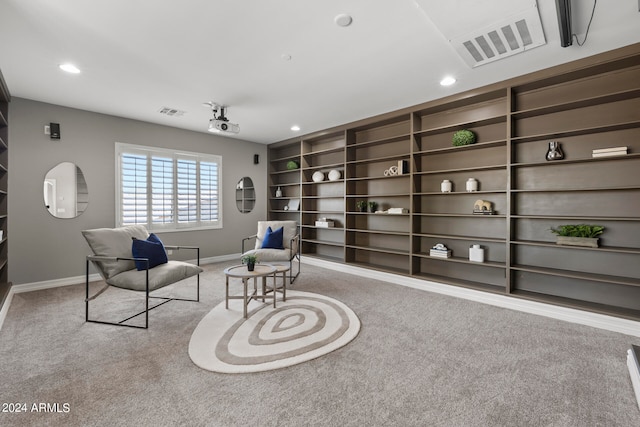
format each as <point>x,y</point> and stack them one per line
<point>601,321</point>
<point>596,320</point>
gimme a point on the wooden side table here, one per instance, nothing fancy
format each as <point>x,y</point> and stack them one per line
<point>241,272</point>
<point>280,269</point>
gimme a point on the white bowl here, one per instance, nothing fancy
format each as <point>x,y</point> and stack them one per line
<point>317,176</point>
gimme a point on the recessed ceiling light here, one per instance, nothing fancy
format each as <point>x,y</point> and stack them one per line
<point>295,128</point>
<point>69,68</point>
<point>447,81</point>
<point>343,20</point>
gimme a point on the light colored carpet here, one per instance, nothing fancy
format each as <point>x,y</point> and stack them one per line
<point>302,328</point>
<point>420,359</point>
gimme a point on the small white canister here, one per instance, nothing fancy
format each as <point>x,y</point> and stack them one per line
<point>445,186</point>
<point>476,253</point>
<point>472,184</point>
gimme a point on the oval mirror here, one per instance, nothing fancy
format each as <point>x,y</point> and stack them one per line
<point>65,191</point>
<point>245,195</point>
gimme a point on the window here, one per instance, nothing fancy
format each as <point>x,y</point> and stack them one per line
<point>166,189</point>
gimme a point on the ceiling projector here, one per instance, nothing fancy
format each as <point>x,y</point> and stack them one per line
<point>220,123</point>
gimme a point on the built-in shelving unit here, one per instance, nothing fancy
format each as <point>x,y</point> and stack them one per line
<point>5,98</point>
<point>589,104</point>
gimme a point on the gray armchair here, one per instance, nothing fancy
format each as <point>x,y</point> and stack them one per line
<point>290,252</point>
<point>114,260</point>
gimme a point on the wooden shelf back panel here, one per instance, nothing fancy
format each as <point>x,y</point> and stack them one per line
<point>466,114</point>
<point>610,114</point>
<point>580,146</point>
<point>586,261</point>
<point>379,222</point>
<point>391,262</point>
<point>621,234</point>
<point>395,243</point>
<point>370,169</point>
<point>324,189</point>
<point>323,235</point>
<point>388,129</point>
<point>444,138</point>
<point>328,252</point>
<point>380,187</point>
<point>476,226</point>
<point>576,204</point>
<point>455,160</point>
<point>493,251</point>
<point>481,275</point>
<point>460,203</point>
<point>318,161</point>
<point>379,152</point>
<point>488,180</point>
<point>589,87</point>
<point>610,295</point>
<point>290,178</point>
<point>322,143</point>
<point>605,173</point>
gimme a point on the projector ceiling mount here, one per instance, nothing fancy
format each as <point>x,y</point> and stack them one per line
<point>220,123</point>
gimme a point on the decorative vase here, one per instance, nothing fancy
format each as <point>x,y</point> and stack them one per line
<point>251,266</point>
<point>278,192</point>
<point>472,184</point>
<point>554,152</point>
<point>476,253</point>
<point>445,186</point>
<point>317,176</point>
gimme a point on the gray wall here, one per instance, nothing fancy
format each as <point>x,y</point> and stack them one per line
<point>42,247</point>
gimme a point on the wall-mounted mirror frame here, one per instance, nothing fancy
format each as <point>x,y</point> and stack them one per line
<point>65,191</point>
<point>245,195</point>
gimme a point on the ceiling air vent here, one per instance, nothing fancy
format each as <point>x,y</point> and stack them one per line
<point>501,39</point>
<point>171,112</point>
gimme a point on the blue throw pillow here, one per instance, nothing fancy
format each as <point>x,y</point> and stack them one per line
<point>273,239</point>
<point>151,248</point>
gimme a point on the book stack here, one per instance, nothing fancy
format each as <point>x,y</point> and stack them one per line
<point>324,223</point>
<point>440,251</point>
<point>609,152</point>
<point>397,211</point>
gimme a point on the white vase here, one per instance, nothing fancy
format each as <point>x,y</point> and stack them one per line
<point>445,186</point>
<point>472,184</point>
<point>278,192</point>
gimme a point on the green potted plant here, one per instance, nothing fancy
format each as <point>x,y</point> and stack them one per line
<point>463,137</point>
<point>250,260</point>
<point>373,206</point>
<point>292,165</point>
<point>361,205</point>
<point>578,234</point>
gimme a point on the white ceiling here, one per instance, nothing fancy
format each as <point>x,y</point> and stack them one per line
<point>138,56</point>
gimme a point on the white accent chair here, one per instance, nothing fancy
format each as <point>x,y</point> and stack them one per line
<point>113,258</point>
<point>290,241</point>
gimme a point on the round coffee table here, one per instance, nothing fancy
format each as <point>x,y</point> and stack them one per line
<point>241,272</point>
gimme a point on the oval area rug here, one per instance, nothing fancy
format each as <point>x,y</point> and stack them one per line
<point>304,327</point>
